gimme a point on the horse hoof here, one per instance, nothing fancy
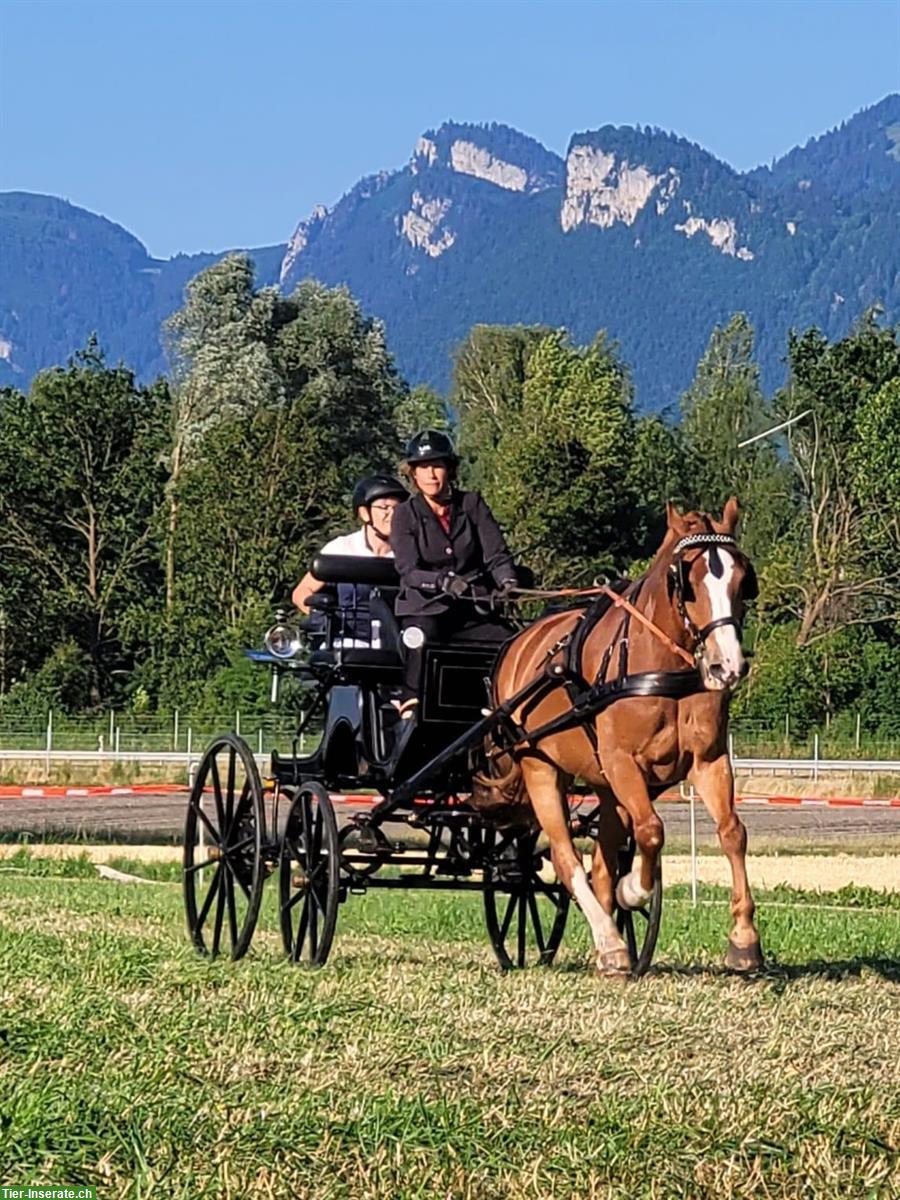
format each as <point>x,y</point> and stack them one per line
<point>613,964</point>
<point>744,958</point>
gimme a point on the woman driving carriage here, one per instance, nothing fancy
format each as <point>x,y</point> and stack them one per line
<point>450,554</point>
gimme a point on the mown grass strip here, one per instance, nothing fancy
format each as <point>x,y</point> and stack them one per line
<point>410,1066</point>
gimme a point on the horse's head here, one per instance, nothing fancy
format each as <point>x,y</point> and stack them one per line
<point>709,582</point>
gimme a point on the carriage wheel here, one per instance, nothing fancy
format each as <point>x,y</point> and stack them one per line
<point>223,869</point>
<point>639,926</point>
<point>309,876</point>
<point>525,916</point>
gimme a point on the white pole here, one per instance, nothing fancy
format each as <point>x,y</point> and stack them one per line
<point>260,741</point>
<point>190,735</point>
<point>775,428</point>
<point>201,843</point>
<point>237,723</point>
<point>858,729</point>
<point>175,731</point>
<point>118,736</point>
<point>111,724</point>
<point>815,756</point>
<point>49,738</point>
<point>693,846</point>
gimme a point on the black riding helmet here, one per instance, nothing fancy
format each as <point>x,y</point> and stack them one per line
<point>377,487</point>
<point>430,446</point>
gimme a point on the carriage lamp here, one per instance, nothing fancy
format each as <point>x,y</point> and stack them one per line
<point>413,638</point>
<point>283,640</point>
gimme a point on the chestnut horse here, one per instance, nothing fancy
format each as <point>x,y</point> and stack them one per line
<point>693,594</point>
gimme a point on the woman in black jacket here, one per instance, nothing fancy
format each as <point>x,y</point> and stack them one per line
<point>449,553</point>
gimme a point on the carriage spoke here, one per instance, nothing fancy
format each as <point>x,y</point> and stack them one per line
<point>244,888</point>
<point>536,922</point>
<point>313,930</point>
<point>316,836</point>
<point>232,908</point>
<point>217,793</point>
<point>299,895</point>
<point>630,938</point>
<point>217,926</point>
<point>231,851</point>
<point>522,930</point>
<point>297,948</point>
<point>508,916</point>
<point>229,787</point>
<point>240,807</point>
<point>210,896</point>
<point>207,862</point>
<point>213,832</point>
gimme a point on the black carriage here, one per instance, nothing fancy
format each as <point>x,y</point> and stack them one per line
<point>407,821</point>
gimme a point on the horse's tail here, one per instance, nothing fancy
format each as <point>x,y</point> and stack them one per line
<point>499,790</point>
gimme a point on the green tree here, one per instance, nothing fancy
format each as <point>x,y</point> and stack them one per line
<point>420,408</point>
<point>558,480</point>
<point>268,478</point>
<point>723,406</point>
<point>81,485</point>
<point>218,346</point>
<point>842,567</point>
<point>489,372</point>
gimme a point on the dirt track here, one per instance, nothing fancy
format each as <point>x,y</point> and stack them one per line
<point>159,818</point>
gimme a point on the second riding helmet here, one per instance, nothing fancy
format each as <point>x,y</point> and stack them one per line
<point>431,445</point>
<point>377,487</point>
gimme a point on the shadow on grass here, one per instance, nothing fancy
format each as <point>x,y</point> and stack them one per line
<point>782,975</point>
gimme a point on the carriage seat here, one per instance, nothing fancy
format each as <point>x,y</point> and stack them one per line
<point>378,574</point>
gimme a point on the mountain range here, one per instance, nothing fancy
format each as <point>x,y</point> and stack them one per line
<point>636,231</point>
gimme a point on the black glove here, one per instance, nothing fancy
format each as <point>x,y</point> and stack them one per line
<point>452,584</point>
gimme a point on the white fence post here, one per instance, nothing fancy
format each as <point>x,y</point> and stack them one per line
<point>49,739</point>
<point>237,723</point>
<point>858,729</point>
<point>175,730</point>
<point>815,756</point>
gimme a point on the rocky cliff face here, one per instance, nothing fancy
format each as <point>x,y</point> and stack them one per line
<point>635,231</point>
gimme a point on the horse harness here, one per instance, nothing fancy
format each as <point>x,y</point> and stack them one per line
<point>563,662</point>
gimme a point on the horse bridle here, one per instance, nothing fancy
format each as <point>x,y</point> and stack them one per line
<point>679,570</point>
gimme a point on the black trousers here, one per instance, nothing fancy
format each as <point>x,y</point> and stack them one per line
<point>457,624</point>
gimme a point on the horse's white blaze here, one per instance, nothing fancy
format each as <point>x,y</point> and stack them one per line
<point>603,927</point>
<point>723,644</point>
<point>629,892</point>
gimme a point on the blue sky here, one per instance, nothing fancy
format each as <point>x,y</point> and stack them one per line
<point>206,125</point>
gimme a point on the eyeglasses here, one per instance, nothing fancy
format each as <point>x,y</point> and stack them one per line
<point>383,508</point>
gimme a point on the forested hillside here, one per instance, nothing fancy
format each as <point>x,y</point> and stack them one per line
<point>636,231</point>
<point>66,273</point>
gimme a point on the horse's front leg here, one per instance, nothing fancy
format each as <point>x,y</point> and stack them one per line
<point>627,781</point>
<point>715,783</point>
<point>543,784</point>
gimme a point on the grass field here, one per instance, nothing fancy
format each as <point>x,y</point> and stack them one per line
<point>411,1067</point>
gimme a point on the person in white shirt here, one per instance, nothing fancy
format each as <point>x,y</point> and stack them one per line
<point>374,501</point>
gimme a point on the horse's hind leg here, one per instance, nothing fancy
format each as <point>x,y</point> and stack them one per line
<point>611,832</point>
<point>715,783</point>
<point>543,782</point>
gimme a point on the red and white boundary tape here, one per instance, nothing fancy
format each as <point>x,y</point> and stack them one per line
<point>137,789</point>
<point>819,802</point>
<point>176,789</point>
